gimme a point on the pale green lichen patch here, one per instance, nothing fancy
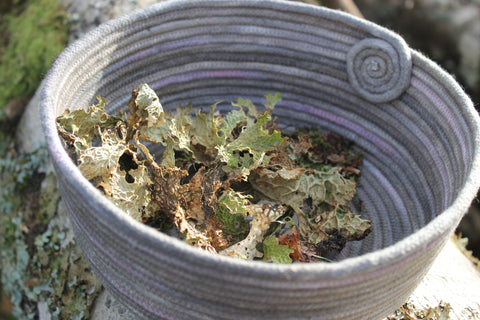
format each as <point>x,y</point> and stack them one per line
<point>275,252</point>
<point>319,198</point>
<point>39,267</point>
<point>231,184</point>
<point>263,213</point>
<point>231,212</point>
<point>80,126</point>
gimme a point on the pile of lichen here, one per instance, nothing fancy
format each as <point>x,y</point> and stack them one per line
<point>230,184</point>
<point>42,269</point>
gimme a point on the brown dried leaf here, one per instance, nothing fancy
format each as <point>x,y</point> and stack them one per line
<point>215,233</point>
<point>167,190</point>
<point>292,240</point>
<point>193,197</point>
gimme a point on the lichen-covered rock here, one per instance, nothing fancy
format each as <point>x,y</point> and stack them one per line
<point>43,270</point>
<point>107,307</point>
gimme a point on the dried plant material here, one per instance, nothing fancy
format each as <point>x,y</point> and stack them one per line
<point>462,244</point>
<point>79,127</point>
<point>224,183</point>
<point>319,199</point>
<point>231,212</point>
<point>272,251</point>
<point>409,311</point>
<point>326,149</point>
<point>292,240</point>
<point>263,215</point>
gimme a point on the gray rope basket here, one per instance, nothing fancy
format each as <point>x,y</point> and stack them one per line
<point>417,128</point>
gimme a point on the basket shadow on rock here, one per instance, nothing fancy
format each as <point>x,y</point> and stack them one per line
<point>416,127</point>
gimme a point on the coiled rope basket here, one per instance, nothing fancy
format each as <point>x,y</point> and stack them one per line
<point>417,128</point>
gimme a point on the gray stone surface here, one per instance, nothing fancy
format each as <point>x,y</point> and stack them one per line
<point>87,14</point>
<point>106,307</point>
<point>29,132</point>
<point>453,279</point>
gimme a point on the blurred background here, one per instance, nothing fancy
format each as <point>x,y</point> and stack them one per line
<point>34,32</point>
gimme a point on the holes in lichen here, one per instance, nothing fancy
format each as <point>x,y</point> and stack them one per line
<point>129,178</point>
<point>127,162</point>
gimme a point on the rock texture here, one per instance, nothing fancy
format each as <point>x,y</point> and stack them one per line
<point>454,279</point>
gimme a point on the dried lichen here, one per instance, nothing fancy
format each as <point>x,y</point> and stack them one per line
<point>409,311</point>
<point>230,184</point>
<point>319,198</point>
<point>462,244</point>
<point>263,215</point>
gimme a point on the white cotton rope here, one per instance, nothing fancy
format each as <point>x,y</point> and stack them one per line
<point>418,130</point>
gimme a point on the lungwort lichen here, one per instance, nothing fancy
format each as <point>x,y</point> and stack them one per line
<point>231,184</point>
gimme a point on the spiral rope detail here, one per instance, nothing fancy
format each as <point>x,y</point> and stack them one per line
<point>379,70</point>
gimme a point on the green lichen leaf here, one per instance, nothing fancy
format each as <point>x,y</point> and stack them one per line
<point>234,202</point>
<point>232,208</point>
<point>168,157</point>
<point>149,107</point>
<point>231,121</point>
<point>272,251</point>
<point>180,129</point>
<point>312,194</point>
<point>272,100</point>
<point>130,191</point>
<point>250,148</point>
<point>350,225</point>
<point>82,123</point>
<point>100,161</point>
<point>205,130</point>
<point>246,103</point>
<point>153,134</point>
<point>147,115</point>
<point>176,128</point>
<point>293,186</point>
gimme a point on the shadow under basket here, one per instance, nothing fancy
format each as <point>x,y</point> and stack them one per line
<point>418,130</point>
